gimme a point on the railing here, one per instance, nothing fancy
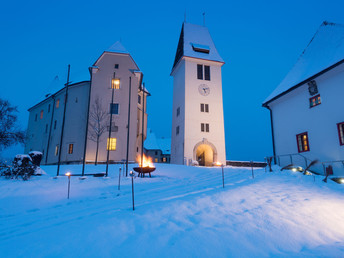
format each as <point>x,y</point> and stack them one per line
<point>303,161</point>
<point>333,163</point>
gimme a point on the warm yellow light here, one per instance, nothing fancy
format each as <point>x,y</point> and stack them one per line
<point>294,169</point>
<point>115,83</point>
<point>68,174</point>
<point>111,144</point>
<point>218,164</point>
<point>147,161</point>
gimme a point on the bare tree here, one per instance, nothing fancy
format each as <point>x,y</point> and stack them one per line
<point>97,123</point>
<point>9,132</point>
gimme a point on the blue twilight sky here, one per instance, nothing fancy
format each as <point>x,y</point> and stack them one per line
<point>259,41</point>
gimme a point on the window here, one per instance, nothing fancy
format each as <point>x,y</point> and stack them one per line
<point>36,117</point>
<point>200,72</point>
<point>177,130</point>
<point>200,48</point>
<point>207,72</point>
<point>314,101</point>
<point>114,127</point>
<point>139,99</point>
<point>56,150</point>
<point>302,142</point>
<point>204,127</point>
<point>340,127</point>
<point>46,128</point>
<point>111,144</point>
<point>55,122</point>
<point>114,108</point>
<point>156,160</point>
<point>156,153</point>
<point>57,103</point>
<point>116,66</point>
<point>41,115</point>
<point>204,107</point>
<point>178,111</point>
<point>163,159</point>
<point>49,108</point>
<point>115,83</point>
<point>70,148</point>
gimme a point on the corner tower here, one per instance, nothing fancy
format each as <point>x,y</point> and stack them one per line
<point>197,117</point>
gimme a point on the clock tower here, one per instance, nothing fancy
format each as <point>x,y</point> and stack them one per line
<point>197,117</point>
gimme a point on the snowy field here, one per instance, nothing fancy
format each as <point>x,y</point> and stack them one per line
<point>180,212</point>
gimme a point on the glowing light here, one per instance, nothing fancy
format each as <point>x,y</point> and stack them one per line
<point>341,180</point>
<point>147,161</point>
<point>68,174</point>
<point>218,164</point>
<point>115,83</point>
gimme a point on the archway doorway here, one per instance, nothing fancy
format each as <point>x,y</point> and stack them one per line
<point>205,153</point>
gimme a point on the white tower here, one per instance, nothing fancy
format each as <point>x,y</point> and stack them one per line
<point>197,122</point>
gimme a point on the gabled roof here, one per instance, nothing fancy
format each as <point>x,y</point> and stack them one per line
<point>154,143</point>
<point>117,48</point>
<point>195,41</point>
<point>324,51</point>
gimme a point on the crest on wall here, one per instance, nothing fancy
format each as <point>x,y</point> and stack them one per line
<point>312,88</point>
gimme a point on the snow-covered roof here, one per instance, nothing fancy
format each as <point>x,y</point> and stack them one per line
<point>117,48</point>
<point>325,49</point>
<point>195,41</point>
<point>154,143</point>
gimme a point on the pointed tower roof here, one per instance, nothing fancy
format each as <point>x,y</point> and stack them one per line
<point>324,51</point>
<point>195,41</point>
<point>117,48</point>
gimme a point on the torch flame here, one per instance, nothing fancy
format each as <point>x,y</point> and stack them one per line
<point>147,161</point>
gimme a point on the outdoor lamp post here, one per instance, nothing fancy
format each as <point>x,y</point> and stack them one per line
<point>114,85</point>
<point>132,175</point>
<point>119,179</point>
<point>219,164</point>
<point>68,174</point>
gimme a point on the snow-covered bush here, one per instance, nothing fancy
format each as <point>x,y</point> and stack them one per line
<point>194,163</point>
<point>36,157</point>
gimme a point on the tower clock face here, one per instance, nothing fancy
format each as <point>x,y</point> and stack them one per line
<point>204,89</point>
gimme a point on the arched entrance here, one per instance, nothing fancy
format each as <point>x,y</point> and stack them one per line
<point>205,153</point>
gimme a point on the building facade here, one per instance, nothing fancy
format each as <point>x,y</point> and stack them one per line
<point>114,91</point>
<point>159,149</point>
<point>306,118</point>
<point>197,117</point>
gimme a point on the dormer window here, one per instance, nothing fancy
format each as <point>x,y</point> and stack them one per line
<point>200,48</point>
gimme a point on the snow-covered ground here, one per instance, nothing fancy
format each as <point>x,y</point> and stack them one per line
<point>180,212</point>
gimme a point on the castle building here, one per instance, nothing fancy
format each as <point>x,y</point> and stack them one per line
<point>114,92</point>
<point>306,119</point>
<point>197,117</point>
